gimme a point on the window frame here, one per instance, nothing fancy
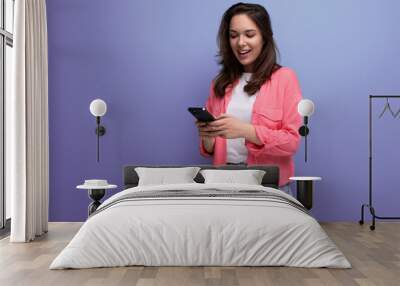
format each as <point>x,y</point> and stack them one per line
<point>6,39</point>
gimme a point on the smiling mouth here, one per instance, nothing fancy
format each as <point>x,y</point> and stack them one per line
<point>242,55</point>
<point>244,52</point>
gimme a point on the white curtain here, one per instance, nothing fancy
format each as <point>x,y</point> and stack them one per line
<point>27,124</point>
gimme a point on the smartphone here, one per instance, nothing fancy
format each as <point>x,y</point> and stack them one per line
<point>201,114</point>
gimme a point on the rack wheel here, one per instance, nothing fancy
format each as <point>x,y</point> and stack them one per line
<point>372,227</point>
<point>361,222</point>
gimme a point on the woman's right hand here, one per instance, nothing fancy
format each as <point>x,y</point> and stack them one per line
<point>208,140</point>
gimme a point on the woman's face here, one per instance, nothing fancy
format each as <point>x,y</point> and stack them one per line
<point>246,40</point>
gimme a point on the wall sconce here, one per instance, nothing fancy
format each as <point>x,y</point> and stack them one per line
<point>305,109</point>
<point>98,108</point>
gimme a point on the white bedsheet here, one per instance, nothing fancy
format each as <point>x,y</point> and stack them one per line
<point>200,231</point>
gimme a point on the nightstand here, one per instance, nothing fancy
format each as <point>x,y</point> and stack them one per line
<point>96,191</point>
<point>305,190</point>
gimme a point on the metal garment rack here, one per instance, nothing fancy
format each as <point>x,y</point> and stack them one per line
<point>370,202</point>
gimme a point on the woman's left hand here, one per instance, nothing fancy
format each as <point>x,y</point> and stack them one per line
<point>227,126</point>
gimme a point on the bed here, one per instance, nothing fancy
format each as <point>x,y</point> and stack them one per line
<point>198,224</point>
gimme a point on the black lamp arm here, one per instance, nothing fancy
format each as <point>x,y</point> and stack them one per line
<point>303,131</point>
<point>100,131</point>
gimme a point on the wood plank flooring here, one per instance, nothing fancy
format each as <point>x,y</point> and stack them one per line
<point>375,257</point>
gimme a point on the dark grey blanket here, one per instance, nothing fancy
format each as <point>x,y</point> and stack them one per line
<point>205,194</point>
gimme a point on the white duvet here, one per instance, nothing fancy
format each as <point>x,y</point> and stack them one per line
<point>200,231</point>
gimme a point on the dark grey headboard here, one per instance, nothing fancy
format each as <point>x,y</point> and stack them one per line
<point>271,177</point>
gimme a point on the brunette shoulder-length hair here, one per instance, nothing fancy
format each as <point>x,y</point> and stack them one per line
<point>231,69</point>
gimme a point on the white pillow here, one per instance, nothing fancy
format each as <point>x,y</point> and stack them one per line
<point>248,177</point>
<point>162,176</point>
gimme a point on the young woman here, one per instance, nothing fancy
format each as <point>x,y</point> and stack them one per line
<point>253,98</point>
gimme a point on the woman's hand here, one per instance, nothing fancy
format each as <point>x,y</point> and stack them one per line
<point>226,126</point>
<point>208,141</point>
<point>204,130</point>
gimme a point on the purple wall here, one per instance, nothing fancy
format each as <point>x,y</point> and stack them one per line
<point>150,60</point>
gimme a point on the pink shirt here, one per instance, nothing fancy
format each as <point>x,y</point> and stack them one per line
<point>276,123</point>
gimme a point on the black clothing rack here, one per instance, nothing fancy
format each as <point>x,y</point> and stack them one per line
<point>370,202</point>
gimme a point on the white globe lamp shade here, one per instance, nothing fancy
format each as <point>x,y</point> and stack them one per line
<point>305,107</point>
<point>98,107</point>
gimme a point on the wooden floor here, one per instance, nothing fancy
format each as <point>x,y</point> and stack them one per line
<point>375,257</point>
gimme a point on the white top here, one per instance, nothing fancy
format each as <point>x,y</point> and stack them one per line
<point>86,187</point>
<point>241,107</point>
<point>96,184</point>
<point>305,178</point>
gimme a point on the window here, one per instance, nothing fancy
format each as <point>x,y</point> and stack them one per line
<point>6,60</point>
